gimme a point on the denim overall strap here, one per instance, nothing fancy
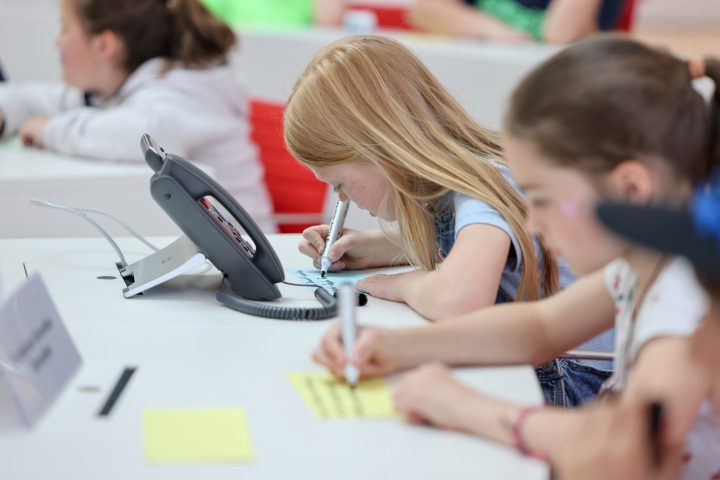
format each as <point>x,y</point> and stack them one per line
<point>445,231</point>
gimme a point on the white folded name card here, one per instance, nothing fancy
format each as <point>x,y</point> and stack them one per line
<point>37,356</point>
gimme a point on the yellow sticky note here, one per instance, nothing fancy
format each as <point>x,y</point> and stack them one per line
<point>197,435</point>
<point>329,397</point>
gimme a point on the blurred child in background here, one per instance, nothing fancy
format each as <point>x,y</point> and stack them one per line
<point>144,66</point>
<point>551,21</point>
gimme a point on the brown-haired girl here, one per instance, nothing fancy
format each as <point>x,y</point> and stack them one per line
<point>143,66</point>
<point>605,119</point>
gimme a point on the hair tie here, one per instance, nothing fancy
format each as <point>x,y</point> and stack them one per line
<point>696,67</point>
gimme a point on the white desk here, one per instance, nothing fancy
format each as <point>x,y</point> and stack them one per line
<point>122,189</point>
<point>192,352</point>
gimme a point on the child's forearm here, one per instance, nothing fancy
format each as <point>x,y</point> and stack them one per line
<point>500,335</point>
<point>329,12</point>
<point>548,430</point>
<point>568,20</point>
<point>488,418</point>
<point>539,430</point>
<point>431,394</point>
<point>514,333</point>
<point>438,299</point>
<point>455,18</point>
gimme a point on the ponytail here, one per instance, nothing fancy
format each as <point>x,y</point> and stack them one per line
<point>608,98</point>
<point>177,30</point>
<point>712,70</point>
<point>198,37</point>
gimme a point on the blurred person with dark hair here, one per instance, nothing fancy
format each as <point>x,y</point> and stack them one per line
<point>550,21</point>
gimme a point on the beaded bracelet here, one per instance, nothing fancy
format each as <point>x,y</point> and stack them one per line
<point>515,431</point>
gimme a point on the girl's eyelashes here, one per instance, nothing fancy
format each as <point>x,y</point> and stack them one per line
<point>539,202</point>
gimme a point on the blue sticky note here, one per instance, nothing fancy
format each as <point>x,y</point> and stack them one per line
<point>332,280</point>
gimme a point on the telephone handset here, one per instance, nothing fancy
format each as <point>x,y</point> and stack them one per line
<point>186,194</point>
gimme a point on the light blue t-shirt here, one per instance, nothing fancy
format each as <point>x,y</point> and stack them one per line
<point>465,211</point>
<point>459,210</point>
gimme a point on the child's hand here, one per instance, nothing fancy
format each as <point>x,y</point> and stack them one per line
<point>382,286</point>
<point>350,251</point>
<point>376,352</point>
<point>498,31</point>
<point>394,287</point>
<point>431,395</point>
<point>31,132</point>
<point>508,35</point>
<point>614,442</point>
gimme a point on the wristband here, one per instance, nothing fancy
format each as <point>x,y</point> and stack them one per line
<point>518,442</point>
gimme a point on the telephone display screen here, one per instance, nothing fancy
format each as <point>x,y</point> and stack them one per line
<point>228,227</point>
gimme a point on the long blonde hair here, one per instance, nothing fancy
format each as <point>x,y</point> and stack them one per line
<point>370,98</point>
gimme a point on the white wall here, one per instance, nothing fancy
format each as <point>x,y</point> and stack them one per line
<point>27,31</point>
<point>684,14</point>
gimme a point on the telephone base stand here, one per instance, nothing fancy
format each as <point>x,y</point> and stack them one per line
<point>175,259</point>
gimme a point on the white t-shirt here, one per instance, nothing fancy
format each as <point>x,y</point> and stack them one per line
<point>674,305</point>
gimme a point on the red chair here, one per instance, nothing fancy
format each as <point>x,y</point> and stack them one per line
<point>627,14</point>
<point>388,16</point>
<point>298,197</point>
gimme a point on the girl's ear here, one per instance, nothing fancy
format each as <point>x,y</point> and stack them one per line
<point>107,46</point>
<point>632,182</point>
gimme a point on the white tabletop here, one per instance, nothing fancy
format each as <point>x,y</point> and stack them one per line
<point>20,163</point>
<point>193,353</point>
<point>120,188</point>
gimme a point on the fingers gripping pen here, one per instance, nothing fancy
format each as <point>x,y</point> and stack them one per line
<point>336,228</point>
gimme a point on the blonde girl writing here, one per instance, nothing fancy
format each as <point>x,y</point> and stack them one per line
<point>370,120</point>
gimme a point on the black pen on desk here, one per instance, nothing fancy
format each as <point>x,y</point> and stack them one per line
<point>336,228</point>
<point>115,394</point>
<point>655,423</point>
